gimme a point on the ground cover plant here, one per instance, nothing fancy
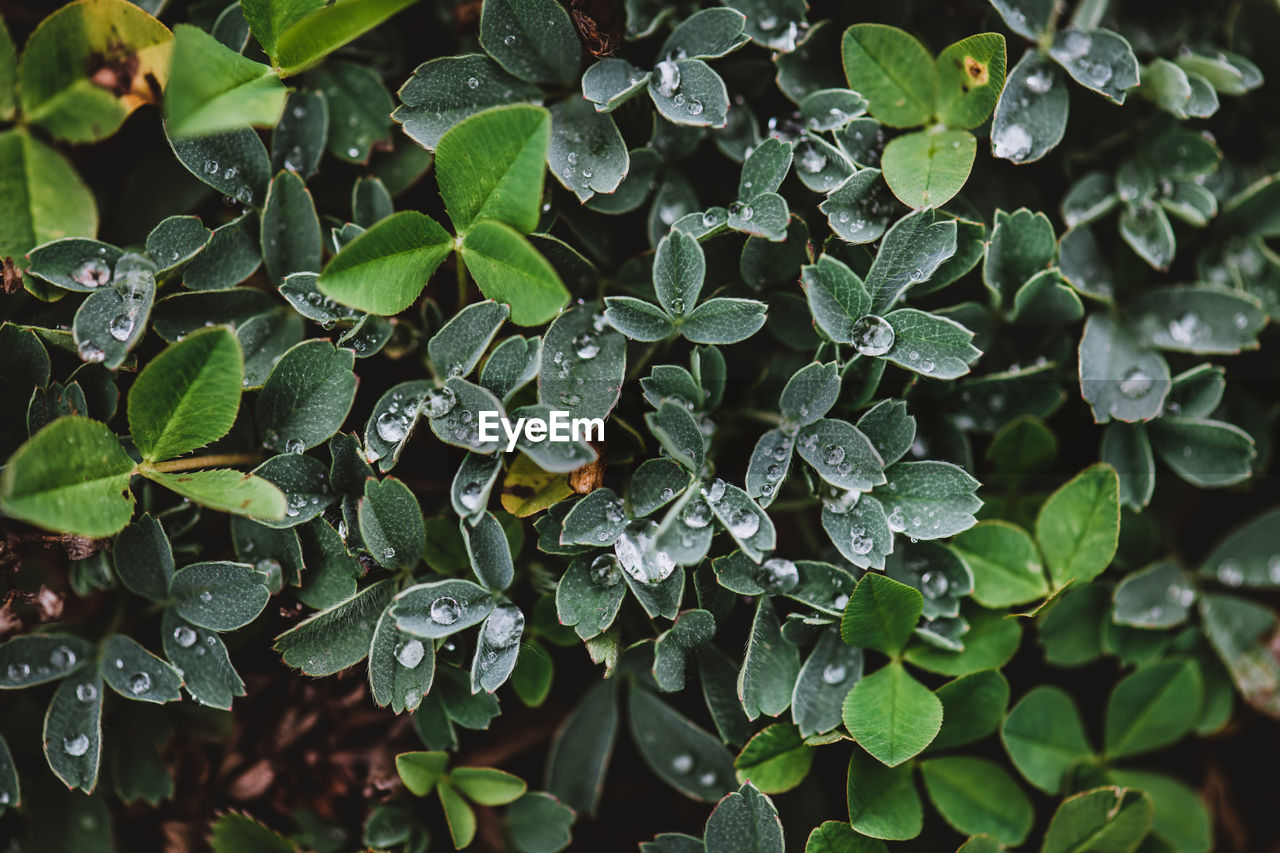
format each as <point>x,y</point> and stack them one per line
<point>932,508</point>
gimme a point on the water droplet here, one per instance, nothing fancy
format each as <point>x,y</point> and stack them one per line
<point>714,490</point>
<point>86,692</point>
<point>860,542</point>
<point>586,345</point>
<point>934,584</point>
<point>778,575</point>
<point>19,671</point>
<point>504,627</point>
<point>1012,142</point>
<point>211,167</point>
<point>812,160</point>
<point>697,515</point>
<point>294,446</point>
<point>509,40</point>
<point>1040,81</point>
<point>206,596</point>
<point>668,78</point>
<point>707,778</point>
<point>445,610</point>
<point>392,427</point>
<point>638,555</point>
<point>439,402</point>
<point>140,683</point>
<point>92,274</point>
<point>76,746</point>
<point>62,657</point>
<point>694,107</point>
<point>1136,383</point>
<point>833,454</point>
<point>91,352</point>
<point>1230,573</point>
<point>897,521</point>
<point>410,654</point>
<point>605,571</point>
<point>872,335</point>
<point>834,673</point>
<point>470,496</point>
<point>682,763</point>
<point>743,524</point>
<point>741,210</point>
<point>472,82</point>
<point>184,636</point>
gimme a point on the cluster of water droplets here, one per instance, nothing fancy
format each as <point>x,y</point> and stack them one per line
<point>243,193</point>
<point>778,575</point>
<point>61,659</point>
<point>1136,383</point>
<point>394,424</point>
<point>639,555</point>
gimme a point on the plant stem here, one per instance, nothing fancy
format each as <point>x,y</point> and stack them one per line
<point>462,281</point>
<point>210,461</point>
<point>1089,14</point>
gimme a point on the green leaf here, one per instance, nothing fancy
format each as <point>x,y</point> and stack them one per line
<point>304,481</point>
<point>490,167</point>
<point>1207,453</point>
<point>1181,817</point>
<point>307,396</point>
<point>587,154</point>
<point>837,297</point>
<point>136,674</point>
<point>219,596</point>
<point>972,707</point>
<point>825,679</point>
<point>679,268</point>
<point>764,169</point>
<point>359,109</point>
<point>1103,820</point>
<point>234,162</point>
<point>539,823</point>
<point>1245,557</point>
<point>72,476</point>
<point>677,751</point>
<point>1148,232</point>
<point>1119,377</point>
<point>489,551</point>
<point>333,639</point>
<point>977,797</point>
<point>881,614</point>
<point>580,752</point>
<point>42,197</point>
<point>1097,59</point>
<point>391,523</point>
<point>687,92</point>
<point>187,396</point>
<point>929,500</point>
<point>587,599</point>
<point>73,729</point>
<point>290,233</point>
<point>1045,737</point>
<point>226,490</point>
<point>231,255</point>
<point>931,345</point>
<point>441,608</point>
<point>883,802</point>
<point>532,39</point>
<point>8,773</point>
<point>893,71</point>
<point>111,321</point>
<point>834,837</point>
<point>459,816</point>
<point>144,559</point>
<point>487,786</point>
<point>744,822</point>
<point>911,252</point>
<point>891,715</point>
<point>8,103</point>
<point>990,642</point>
<point>1005,564</point>
<point>1022,245</point>
<point>440,94</point>
<point>1153,707</point>
<point>927,169</point>
<point>32,659</point>
<point>384,270</point>
<point>176,240</point>
<point>306,40</point>
<point>1198,319</point>
<point>723,321</point>
<point>970,78</point>
<point>234,831</point>
<point>769,668</point>
<point>637,319</point>
<point>207,672</point>
<point>420,771</point>
<point>707,34</point>
<point>212,88</point>
<point>584,386</point>
<point>1127,448</point>
<point>1158,596</point>
<point>56,76</point>
<point>509,270</point>
<point>611,82</point>
<point>1078,527</point>
<point>831,109</point>
<point>401,667</point>
<point>297,142</point>
<point>775,760</point>
<point>1032,113</point>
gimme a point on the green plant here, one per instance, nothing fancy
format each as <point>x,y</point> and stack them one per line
<point>883,353</point>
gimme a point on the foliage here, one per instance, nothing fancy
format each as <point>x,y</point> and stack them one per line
<point>886,351</point>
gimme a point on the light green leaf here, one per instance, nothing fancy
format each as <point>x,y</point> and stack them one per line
<point>226,490</point>
<point>927,169</point>
<point>1005,564</point>
<point>72,476</point>
<point>41,196</point>
<point>213,88</point>
<point>1103,820</point>
<point>487,786</point>
<point>420,771</point>
<point>56,76</point>
<point>970,78</point>
<point>307,40</point>
<point>883,801</point>
<point>978,798</point>
<point>1078,527</point>
<point>893,71</point>
<point>1153,707</point>
<point>891,715</point>
<point>881,614</point>
<point>384,270</point>
<point>490,167</point>
<point>972,707</point>
<point>187,396</point>
<point>508,269</point>
<point>1045,737</point>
